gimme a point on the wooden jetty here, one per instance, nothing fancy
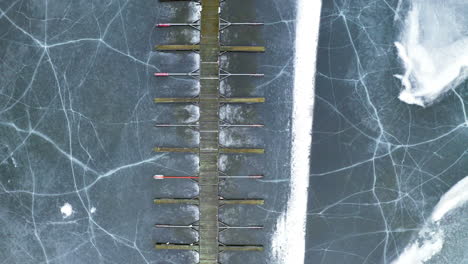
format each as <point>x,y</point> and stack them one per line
<point>209,124</point>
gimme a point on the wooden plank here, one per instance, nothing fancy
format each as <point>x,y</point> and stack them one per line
<point>242,201</point>
<point>208,261</point>
<point>178,0</point>
<point>176,201</point>
<point>221,48</point>
<point>241,150</point>
<point>177,47</point>
<point>176,247</point>
<point>160,100</point>
<point>247,100</point>
<point>188,150</point>
<point>209,112</point>
<point>242,48</point>
<point>211,100</point>
<point>241,248</point>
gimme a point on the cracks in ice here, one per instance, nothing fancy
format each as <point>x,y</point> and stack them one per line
<point>396,151</point>
<point>44,45</point>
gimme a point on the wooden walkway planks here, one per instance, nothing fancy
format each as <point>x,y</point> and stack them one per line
<point>221,48</point>
<point>209,101</point>
<point>232,100</point>
<point>209,147</point>
<point>209,139</point>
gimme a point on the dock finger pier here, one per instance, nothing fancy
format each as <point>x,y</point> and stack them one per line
<point>209,101</point>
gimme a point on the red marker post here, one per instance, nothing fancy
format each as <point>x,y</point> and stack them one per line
<point>161,74</point>
<point>162,177</point>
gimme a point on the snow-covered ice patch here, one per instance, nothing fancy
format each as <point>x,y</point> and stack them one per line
<point>433,49</point>
<point>430,239</point>
<point>194,113</point>
<point>428,244</point>
<point>232,114</point>
<point>237,138</point>
<point>223,163</point>
<point>454,198</point>
<point>289,238</point>
<point>66,210</point>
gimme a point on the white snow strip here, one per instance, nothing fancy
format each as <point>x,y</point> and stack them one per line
<point>428,245</point>
<point>454,198</point>
<point>66,210</point>
<point>433,48</point>
<point>431,238</point>
<point>194,15</point>
<point>289,238</point>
